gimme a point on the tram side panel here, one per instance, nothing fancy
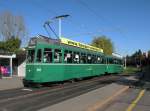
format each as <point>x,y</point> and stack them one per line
<point>114,68</point>
<point>59,72</point>
<point>44,73</point>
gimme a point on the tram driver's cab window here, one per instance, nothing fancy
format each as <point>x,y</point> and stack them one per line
<point>47,55</point>
<point>57,56</point>
<point>39,55</point>
<point>30,56</point>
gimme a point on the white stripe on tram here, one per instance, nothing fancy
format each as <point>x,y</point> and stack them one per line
<point>67,64</point>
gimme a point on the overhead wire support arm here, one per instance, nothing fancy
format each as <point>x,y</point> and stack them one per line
<point>47,30</point>
<point>48,24</point>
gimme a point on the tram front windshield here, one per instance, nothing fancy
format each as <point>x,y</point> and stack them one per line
<point>30,55</point>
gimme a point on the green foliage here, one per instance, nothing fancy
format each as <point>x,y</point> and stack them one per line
<point>2,45</point>
<point>131,70</point>
<point>20,52</point>
<point>11,45</point>
<point>104,43</point>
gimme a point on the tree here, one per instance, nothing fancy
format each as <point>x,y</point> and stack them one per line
<point>2,46</point>
<point>12,44</point>
<point>149,57</point>
<point>104,43</point>
<point>11,26</point>
<point>12,31</point>
<point>138,58</point>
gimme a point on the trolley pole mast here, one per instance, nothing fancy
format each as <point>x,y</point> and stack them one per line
<point>60,19</point>
<point>59,27</point>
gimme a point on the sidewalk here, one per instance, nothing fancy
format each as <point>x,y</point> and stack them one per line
<point>10,83</point>
<point>90,101</point>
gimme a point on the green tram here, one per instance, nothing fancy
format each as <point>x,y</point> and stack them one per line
<point>50,60</point>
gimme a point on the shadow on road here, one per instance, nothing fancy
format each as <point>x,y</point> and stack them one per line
<point>140,80</point>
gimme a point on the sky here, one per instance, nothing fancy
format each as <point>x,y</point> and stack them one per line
<point>125,22</point>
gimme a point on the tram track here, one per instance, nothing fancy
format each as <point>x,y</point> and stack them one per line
<point>42,98</point>
<point>22,91</point>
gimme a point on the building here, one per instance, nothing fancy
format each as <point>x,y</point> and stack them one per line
<point>12,64</point>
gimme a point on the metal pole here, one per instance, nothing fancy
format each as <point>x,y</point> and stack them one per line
<point>59,27</point>
<point>59,18</point>
<point>11,67</point>
<point>125,63</point>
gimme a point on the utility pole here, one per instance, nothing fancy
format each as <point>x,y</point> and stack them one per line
<point>125,63</point>
<point>59,19</point>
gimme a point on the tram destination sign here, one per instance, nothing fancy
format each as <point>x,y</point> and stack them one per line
<point>80,45</point>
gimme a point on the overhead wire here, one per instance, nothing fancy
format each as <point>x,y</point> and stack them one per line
<point>72,22</point>
<point>81,2</point>
<point>55,13</point>
<point>45,26</point>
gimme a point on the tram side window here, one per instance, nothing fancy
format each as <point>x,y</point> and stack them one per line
<point>89,59</point>
<point>99,60</point>
<point>103,60</point>
<point>111,61</point>
<point>117,61</point>
<point>47,55</point>
<point>120,62</point>
<point>39,55</point>
<point>30,56</point>
<point>83,58</point>
<point>68,56</point>
<point>76,57</point>
<point>114,61</point>
<point>94,61</point>
<point>57,56</point>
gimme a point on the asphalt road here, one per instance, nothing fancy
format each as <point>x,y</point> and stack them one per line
<point>26,100</point>
<point>23,99</point>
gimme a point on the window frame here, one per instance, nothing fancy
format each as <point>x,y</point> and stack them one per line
<point>37,55</point>
<point>27,55</point>
<point>60,57</point>
<point>51,59</point>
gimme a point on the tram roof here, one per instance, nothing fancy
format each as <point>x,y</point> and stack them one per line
<point>70,48</point>
<point>113,57</point>
<point>63,43</point>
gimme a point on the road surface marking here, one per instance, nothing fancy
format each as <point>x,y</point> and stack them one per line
<point>133,104</point>
<point>26,89</point>
<point>100,104</point>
